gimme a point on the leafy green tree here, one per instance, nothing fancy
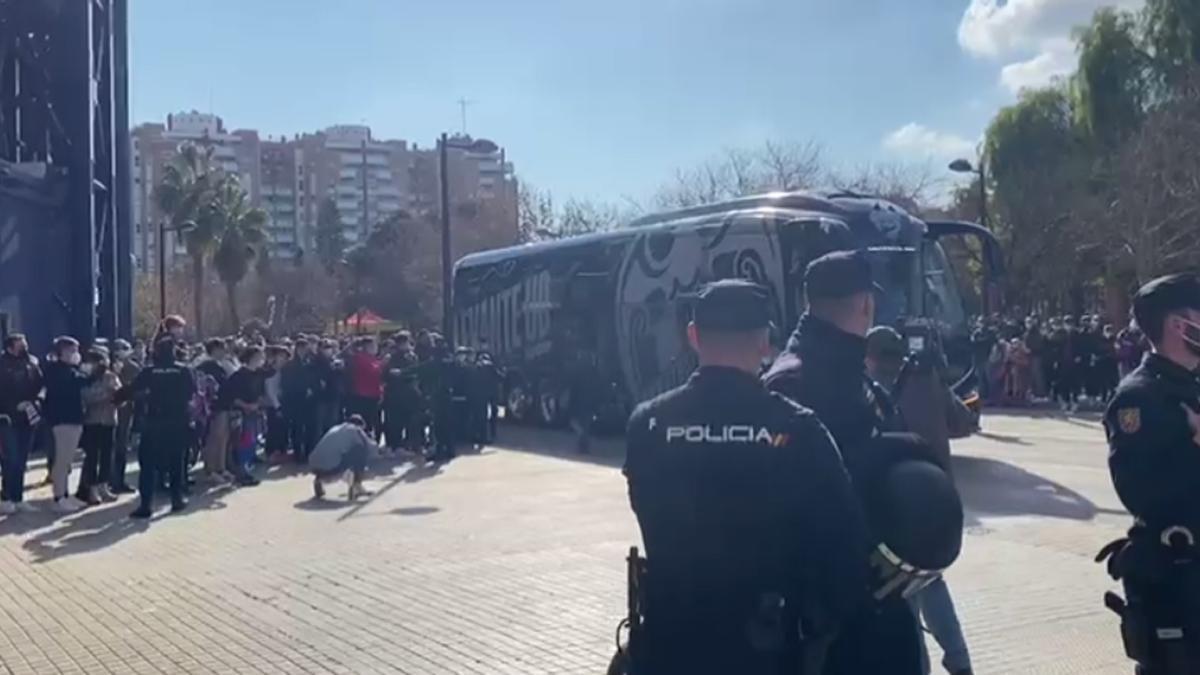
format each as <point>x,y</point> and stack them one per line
<point>1172,35</point>
<point>182,195</point>
<point>330,239</point>
<point>1112,84</point>
<point>239,235</point>
<point>1038,167</point>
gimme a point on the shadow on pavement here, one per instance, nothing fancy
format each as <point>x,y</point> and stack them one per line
<point>414,510</point>
<point>995,488</point>
<point>605,451</point>
<point>1002,438</point>
<point>97,527</point>
<point>326,504</point>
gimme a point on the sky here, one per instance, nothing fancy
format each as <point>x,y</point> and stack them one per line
<point>606,100</point>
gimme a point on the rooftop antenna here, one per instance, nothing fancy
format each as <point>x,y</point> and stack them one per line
<point>462,105</point>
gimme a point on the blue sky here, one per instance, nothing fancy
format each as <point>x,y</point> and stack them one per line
<point>607,99</point>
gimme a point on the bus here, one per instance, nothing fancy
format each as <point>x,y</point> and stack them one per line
<point>606,313</point>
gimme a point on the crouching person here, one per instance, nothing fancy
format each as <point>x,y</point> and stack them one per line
<point>344,449</point>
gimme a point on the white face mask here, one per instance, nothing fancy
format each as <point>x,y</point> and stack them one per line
<point>73,359</point>
<point>87,368</point>
<point>1191,335</point>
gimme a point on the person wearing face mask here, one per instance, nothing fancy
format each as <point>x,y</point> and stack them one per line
<point>20,384</point>
<point>242,397</point>
<point>326,374</point>
<point>364,371</point>
<point>63,412</point>
<point>99,428</point>
<point>165,387</point>
<point>1153,430</point>
<point>127,369</point>
<point>401,397</point>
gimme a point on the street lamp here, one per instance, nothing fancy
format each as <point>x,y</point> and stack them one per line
<point>162,261</point>
<point>481,146</point>
<point>965,166</point>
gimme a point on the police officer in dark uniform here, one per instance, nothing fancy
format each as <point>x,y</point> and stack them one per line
<point>753,537</point>
<point>823,368</point>
<point>165,388</point>
<point>1153,428</point>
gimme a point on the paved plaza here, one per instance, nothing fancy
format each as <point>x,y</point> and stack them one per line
<point>505,561</point>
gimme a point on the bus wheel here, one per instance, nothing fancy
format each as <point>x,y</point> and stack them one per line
<point>518,404</point>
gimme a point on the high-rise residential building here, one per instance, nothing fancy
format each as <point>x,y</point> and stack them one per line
<point>154,146</point>
<point>368,180</point>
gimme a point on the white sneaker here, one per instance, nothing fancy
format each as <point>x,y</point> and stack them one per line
<point>105,494</point>
<point>7,508</point>
<point>75,503</point>
<point>63,505</point>
<point>26,507</point>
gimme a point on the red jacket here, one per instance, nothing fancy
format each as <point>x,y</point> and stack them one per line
<point>366,375</point>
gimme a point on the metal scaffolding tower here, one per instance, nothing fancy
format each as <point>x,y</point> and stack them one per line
<point>64,121</point>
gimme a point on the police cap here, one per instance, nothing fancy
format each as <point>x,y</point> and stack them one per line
<point>838,275</point>
<point>1159,297</point>
<point>734,305</point>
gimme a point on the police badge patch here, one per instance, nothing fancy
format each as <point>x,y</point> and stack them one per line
<point>1130,420</point>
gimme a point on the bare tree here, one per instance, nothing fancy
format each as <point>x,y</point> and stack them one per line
<point>792,165</point>
<point>911,186</point>
<point>541,219</point>
<point>1146,225</point>
<point>737,172</point>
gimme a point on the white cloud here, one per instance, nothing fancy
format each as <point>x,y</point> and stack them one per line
<point>1057,60</point>
<point>917,140</point>
<point>1032,36</point>
<point>1001,28</point>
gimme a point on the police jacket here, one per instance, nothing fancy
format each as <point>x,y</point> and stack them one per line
<point>739,494</point>
<point>165,389</point>
<point>823,368</point>
<point>1153,456</point>
<point>299,381</point>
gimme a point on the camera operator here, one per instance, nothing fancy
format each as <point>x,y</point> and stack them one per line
<point>1153,428</point>
<point>930,409</point>
<point>753,537</point>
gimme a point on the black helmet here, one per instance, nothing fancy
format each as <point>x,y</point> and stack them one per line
<point>916,513</point>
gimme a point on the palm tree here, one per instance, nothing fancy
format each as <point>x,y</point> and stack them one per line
<point>238,234</point>
<point>182,195</point>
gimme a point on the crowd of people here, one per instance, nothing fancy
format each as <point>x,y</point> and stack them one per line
<point>1063,359</point>
<point>230,405</point>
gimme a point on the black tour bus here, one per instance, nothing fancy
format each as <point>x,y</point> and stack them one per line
<point>604,315</point>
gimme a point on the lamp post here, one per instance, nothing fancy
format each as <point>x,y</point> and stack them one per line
<point>162,262</point>
<point>965,166</point>
<point>479,145</point>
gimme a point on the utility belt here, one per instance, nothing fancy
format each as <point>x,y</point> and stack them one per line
<point>1159,569</point>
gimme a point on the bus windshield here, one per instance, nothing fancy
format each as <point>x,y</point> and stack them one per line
<point>902,276</point>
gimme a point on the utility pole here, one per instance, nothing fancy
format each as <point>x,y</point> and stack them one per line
<point>447,306</point>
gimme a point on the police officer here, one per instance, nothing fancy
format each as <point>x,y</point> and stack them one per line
<point>753,538</point>
<point>165,387</point>
<point>823,368</point>
<point>1153,428</point>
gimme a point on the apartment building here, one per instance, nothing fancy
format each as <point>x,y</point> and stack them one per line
<point>368,179</point>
